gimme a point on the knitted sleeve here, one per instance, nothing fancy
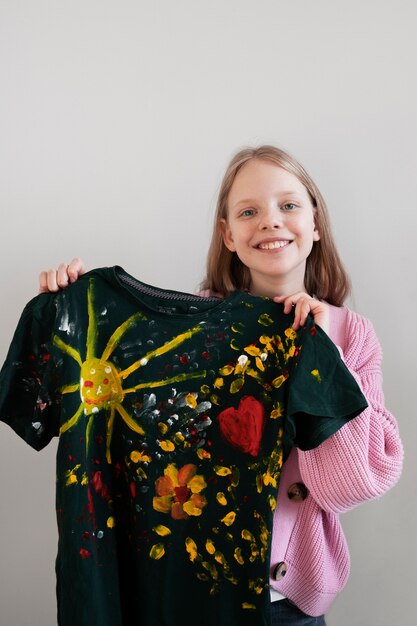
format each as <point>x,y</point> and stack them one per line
<point>363,459</point>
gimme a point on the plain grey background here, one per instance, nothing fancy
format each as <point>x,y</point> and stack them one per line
<point>117,120</point>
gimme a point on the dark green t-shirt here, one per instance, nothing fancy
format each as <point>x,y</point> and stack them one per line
<point>174,414</point>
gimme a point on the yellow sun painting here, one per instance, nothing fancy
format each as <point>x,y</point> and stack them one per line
<point>101,381</point>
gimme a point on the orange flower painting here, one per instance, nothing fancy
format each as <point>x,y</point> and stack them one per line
<point>179,492</point>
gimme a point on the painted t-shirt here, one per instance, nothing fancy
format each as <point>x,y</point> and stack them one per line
<point>174,414</point>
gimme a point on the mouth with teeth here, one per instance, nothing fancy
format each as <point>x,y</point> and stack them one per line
<point>272,245</point>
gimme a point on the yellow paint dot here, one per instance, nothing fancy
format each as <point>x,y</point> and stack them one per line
<point>110,522</point>
<point>162,530</point>
<point>290,333</point>
<point>203,454</point>
<point>222,471</point>
<point>259,364</point>
<point>238,556</point>
<point>191,400</point>
<point>234,345</point>
<point>277,382</point>
<point>157,551</point>
<point>221,499</point>
<point>237,384</point>
<point>191,547</point>
<point>247,535</point>
<point>210,547</point>
<point>265,319</point>
<point>178,438</point>
<point>252,350</point>
<point>137,456</point>
<point>220,558</point>
<point>229,519</point>
<point>167,446</point>
<point>316,375</point>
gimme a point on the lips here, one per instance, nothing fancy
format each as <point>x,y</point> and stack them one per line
<point>273,245</point>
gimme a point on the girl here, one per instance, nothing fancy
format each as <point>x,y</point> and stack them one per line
<point>272,237</point>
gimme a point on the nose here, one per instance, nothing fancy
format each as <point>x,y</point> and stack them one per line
<point>271,218</point>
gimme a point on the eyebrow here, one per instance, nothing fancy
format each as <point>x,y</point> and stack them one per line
<point>252,200</point>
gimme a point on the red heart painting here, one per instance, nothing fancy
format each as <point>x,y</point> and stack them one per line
<point>243,427</point>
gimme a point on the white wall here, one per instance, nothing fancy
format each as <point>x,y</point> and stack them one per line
<point>116,122</point>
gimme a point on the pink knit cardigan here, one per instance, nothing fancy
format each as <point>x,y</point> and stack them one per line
<point>359,462</point>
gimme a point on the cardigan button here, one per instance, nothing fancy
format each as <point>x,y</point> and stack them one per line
<point>279,571</point>
<point>297,492</point>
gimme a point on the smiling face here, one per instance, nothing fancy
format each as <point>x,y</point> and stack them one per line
<point>270,226</point>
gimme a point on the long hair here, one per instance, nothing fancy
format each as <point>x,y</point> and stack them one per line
<point>325,275</point>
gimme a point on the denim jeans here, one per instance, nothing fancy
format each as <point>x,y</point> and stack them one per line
<point>285,613</point>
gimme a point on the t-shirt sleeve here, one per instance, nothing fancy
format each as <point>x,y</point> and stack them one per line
<point>322,394</point>
<point>29,386</point>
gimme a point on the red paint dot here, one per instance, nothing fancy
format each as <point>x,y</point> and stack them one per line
<point>206,355</point>
<point>184,359</point>
<point>133,490</point>
<point>88,383</point>
<point>106,381</point>
<point>85,554</point>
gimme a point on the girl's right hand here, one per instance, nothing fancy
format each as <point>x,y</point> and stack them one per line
<point>54,280</point>
<point>302,304</point>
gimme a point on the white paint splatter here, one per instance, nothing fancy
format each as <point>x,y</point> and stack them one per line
<point>65,325</point>
<point>242,360</point>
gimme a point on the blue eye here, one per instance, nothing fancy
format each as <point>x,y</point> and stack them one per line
<point>289,206</point>
<point>247,212</point>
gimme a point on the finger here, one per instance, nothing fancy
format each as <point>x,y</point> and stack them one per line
<point>75,269</point>
<point>43,282</point>
<point>302,309</point>
<point>287,301</point>
<point>62,275</point>
<point>51,280</point>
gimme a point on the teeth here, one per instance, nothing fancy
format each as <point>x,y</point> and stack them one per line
<point>271,245</point>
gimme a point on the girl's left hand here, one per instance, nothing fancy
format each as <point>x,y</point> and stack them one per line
<point>305,304</point>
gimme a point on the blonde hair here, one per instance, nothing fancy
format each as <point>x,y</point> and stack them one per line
<point>325,275</point>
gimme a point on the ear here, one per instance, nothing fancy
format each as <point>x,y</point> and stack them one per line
<point>227,235</point>
<point>316,234</point>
